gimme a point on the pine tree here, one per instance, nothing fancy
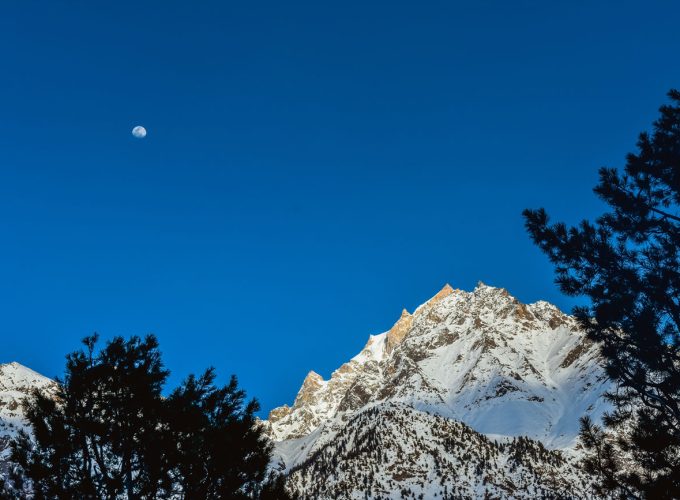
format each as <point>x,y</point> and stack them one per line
<point>627,263</point>
<point>98,437</point>
<point>220,450</point>
<point>109,433</point>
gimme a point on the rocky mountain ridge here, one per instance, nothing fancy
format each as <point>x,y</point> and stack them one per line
<point>503,369</point>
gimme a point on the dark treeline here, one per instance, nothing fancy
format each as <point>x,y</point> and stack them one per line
<point>108,433</point>
<point>627,262</point>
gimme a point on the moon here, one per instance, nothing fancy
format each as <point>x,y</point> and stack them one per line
<point>139,132</point>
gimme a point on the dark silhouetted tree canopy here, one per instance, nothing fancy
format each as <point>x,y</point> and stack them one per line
<point>627,264</point>
<point>109,433</point>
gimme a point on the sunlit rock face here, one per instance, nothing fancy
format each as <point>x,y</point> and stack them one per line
<point>482,358</point>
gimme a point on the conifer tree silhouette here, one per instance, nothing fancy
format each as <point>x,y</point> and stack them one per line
<point>109,433</point>
<point>628,264</point>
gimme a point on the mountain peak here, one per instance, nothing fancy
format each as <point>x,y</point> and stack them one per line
<point>313,377</point>
<point>312,384</point>
<point>467,355</point>
<point>16,374</point>
<point>398,331</point>
<point>444,292</point>
<point>13,365</point>
<point>483,287</point>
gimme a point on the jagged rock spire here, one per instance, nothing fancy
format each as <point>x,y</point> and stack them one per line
<point>312,383</point>
<point>397,333</point>
<point>444,292</point>
<point>399,330</point>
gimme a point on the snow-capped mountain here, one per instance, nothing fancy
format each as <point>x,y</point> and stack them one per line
<point>472,395</point>
<point>478,363</point>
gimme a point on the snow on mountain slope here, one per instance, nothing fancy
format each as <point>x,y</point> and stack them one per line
<point>16,383</point>
<point>504,368</point>
<point>391,450</point>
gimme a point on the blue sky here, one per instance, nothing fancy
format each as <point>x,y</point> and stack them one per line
<point>310,167</point>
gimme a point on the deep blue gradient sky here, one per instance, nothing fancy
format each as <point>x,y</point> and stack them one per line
<point>310,168</point>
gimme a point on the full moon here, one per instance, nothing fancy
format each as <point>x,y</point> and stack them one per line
<point>139,132</point>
